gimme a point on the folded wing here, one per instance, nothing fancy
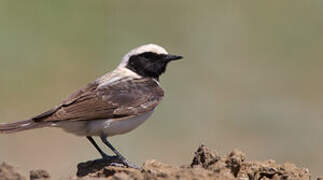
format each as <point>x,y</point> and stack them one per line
<point>126,97</point>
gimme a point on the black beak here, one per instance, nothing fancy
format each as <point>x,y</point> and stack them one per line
<point>170,57</point>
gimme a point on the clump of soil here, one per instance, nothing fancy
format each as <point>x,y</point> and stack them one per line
<point>39,174</point>
<point>8,172</point>
<point>206,164</point>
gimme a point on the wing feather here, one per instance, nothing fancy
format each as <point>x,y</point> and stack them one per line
<point>121,99</point>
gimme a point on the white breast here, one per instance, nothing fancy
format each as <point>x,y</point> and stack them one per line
<point>107,127</point>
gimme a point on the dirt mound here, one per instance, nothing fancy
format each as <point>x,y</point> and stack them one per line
<point>8,172</point>
<point>206,164</point>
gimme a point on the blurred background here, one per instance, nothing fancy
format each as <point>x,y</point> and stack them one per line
<point>251,78</point>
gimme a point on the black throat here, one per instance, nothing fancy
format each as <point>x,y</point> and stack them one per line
<point>148,64</point>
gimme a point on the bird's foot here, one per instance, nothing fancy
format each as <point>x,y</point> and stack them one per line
<point>118,161</point>
<point>128,164</point>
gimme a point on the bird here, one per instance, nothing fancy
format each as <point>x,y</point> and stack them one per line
<point>114,104</point>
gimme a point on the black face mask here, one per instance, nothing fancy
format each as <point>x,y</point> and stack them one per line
<point>150,64</point>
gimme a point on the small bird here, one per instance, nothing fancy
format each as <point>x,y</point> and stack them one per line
<point>114,104</point>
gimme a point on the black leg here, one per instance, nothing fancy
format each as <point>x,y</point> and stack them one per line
<point>96,146</point>
<point>122,159</point>
<point>106,142</point>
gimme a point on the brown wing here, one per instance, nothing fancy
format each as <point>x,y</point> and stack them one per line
<point>120,99</point>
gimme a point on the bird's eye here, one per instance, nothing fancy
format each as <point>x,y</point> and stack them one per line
<point>150,56</point>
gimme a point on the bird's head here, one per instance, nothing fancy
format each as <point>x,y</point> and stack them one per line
<point>149,60</point>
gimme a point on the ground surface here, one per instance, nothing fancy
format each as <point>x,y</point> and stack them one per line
<point>206,164</point>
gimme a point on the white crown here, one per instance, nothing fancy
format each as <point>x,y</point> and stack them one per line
<point>142,49</point>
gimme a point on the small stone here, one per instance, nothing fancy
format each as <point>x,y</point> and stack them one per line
<point>39,174</point>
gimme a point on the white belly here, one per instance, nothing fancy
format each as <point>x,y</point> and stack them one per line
<point>104,127</point>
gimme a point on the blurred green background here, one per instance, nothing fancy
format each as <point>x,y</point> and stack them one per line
<point>251,78</point>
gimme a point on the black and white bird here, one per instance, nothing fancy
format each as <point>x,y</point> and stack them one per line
<point>115,103</point>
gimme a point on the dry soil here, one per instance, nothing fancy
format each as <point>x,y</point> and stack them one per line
<point>206,164</point>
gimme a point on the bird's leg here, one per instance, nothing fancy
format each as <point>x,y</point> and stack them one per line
<point>119,156</point>
<point>103,154</point>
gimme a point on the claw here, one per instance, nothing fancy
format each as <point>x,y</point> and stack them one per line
<point>126,163</point>
<point>118,161</point>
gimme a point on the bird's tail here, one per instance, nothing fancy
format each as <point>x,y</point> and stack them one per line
<point>7,128</point>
